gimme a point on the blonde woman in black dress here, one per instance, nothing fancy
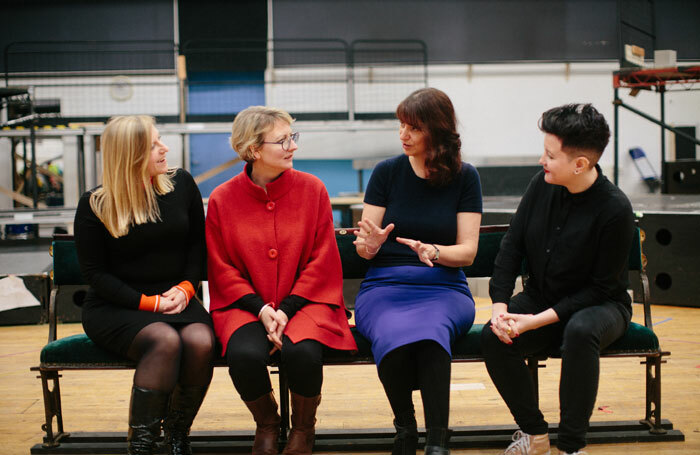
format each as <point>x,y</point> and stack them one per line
<point>141,247</point>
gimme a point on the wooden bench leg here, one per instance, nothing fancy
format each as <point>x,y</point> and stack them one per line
<point>652,416</point>
<point>52,408</point>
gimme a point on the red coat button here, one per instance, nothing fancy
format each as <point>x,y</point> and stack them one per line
<point>272,253</point>
<point>270,206</point>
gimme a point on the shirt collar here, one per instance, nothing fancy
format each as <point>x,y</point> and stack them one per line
<point>593,189</point>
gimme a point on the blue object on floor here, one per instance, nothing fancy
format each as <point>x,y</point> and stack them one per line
<point>643,165</point>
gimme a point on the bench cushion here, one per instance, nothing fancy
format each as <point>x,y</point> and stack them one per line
<point>637,338</point>
<point>80,352</point>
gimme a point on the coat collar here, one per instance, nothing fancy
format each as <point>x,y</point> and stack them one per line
<point>275,189</point>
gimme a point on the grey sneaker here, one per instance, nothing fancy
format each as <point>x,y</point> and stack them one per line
<point>527,444</point>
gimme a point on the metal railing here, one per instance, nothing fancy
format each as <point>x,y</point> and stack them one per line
<point>212,80</point>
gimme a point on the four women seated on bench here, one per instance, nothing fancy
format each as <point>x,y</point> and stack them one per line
<point>276,282</point>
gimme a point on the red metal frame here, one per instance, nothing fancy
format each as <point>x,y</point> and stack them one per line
<point>657,77</point>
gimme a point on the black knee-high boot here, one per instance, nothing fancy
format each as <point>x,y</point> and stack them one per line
<point>436,441</point>
<point>406,439</point>
<point>146,413</point>
<point>184,405</point>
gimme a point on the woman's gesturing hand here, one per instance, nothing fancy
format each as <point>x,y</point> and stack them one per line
<point>371,236</point>
<point>425,251</point>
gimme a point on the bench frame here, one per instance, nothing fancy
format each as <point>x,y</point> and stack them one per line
<point>650,428</point>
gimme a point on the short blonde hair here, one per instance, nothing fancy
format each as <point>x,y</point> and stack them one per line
<point>250,126</point>
<point>121,201</point>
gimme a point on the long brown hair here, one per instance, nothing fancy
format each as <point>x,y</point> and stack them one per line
<point>431,110</point>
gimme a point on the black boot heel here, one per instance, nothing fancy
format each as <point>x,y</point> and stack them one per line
<point>184,405</point>
<point>146,412</point>
<point>406,439</point>
<point>436,441</point>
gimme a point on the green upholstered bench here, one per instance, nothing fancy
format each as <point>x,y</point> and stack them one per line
<point>78,352</point>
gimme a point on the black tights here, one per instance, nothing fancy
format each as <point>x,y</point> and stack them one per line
<point>423,365</point>
<point>248,354</point>
<point>167,355</point>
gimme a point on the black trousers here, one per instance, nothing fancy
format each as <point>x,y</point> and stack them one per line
<point>248,355</point>
<point>580,339</point>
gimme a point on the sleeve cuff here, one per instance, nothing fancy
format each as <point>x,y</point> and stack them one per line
<point>499,298</point>
<point>251,303</point>
<point>291,304</point>
<point>561,311</point>
<point>149,303</point>
<point>187,288</point>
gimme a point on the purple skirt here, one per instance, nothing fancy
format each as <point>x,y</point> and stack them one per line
<point>400,305</point>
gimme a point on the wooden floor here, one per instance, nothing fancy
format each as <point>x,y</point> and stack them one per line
<point>353,397</point>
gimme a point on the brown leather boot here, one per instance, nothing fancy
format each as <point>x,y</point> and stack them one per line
<point>267,421</point>
<point>301,436</point>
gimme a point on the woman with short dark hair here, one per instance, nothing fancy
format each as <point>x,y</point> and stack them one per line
<point>420,225</point>
<point>574,230</point>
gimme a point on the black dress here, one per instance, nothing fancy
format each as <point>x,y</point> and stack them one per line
<point>149,260</point>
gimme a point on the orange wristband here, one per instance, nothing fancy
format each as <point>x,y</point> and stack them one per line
<point>149,303</point>
<point>187,288</point>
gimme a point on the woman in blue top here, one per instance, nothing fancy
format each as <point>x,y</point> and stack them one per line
<point>420,224</point>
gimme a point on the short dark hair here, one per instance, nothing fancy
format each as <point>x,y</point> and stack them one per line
<point>580,127</point>
<point>431,110</point>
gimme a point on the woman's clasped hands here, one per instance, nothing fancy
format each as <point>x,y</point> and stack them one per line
<point>508,326</point>
<point>274,321</point>
<point>173,301</point>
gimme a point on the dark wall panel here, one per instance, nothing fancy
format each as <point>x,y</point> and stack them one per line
<point>222,19</point>
<point>495,30</point>
<point>462,31</point>
<point>78,20</point>
<point>678,27</point>
<point>209,24</point>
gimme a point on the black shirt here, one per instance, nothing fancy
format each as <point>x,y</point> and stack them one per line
<point>419,210</point>
<point>576,247</point>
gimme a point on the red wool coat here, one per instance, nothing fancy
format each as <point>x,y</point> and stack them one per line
<point>276,244</point>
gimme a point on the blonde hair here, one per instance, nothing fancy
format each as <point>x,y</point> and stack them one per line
<point>250,126</point>
<point>128,194</point>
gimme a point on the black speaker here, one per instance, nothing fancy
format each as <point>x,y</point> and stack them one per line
<point>672,250</point>
<point>682,177</point>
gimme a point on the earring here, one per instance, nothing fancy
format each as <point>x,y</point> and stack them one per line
<point>577,172</point>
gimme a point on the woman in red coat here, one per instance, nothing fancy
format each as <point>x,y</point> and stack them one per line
<point>275,277</point>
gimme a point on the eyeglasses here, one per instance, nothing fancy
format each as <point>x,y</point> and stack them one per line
<point>286,142</point>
